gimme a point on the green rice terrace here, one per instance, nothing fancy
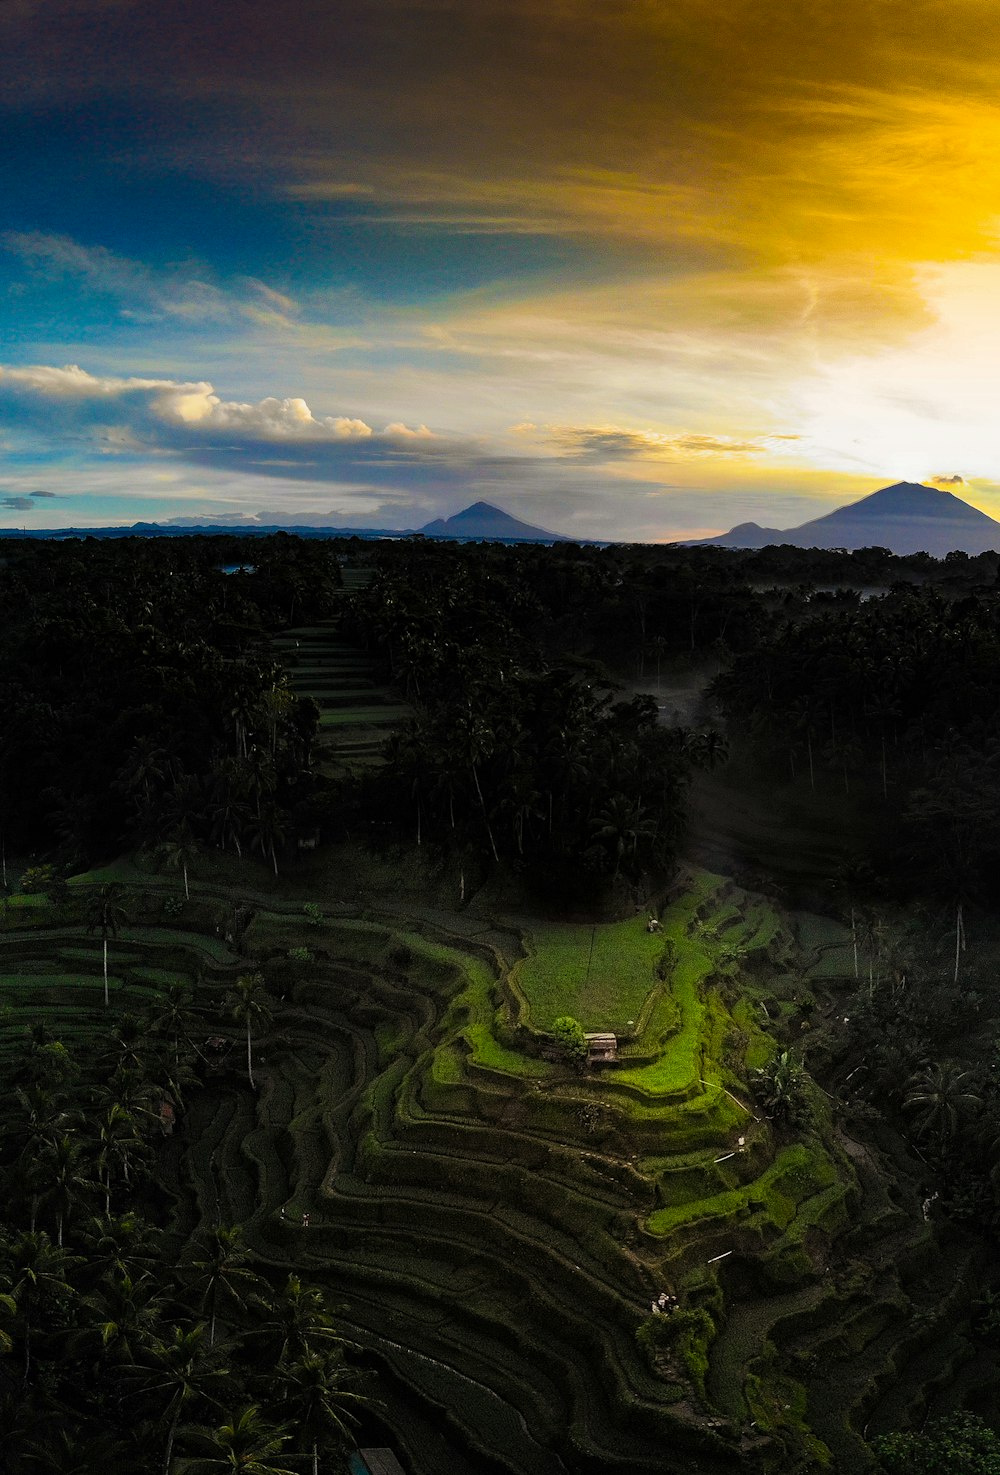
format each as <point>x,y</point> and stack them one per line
<point>357,712</point>
<point>624,1268</point>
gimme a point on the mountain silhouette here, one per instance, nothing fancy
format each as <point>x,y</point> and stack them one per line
<point>483,520</point>
<point>906,517</point>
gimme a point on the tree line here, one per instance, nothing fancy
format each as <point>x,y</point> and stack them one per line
<point>139,701</point>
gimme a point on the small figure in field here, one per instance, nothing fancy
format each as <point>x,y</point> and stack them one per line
<point>653,925</point>
<point>305,1221</point>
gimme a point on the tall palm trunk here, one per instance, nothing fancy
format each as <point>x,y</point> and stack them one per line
<point>486,818</point>
<point>253,1086</point>
<point>171,1435</point>
<point>885,781</point>
<point>107,999</point>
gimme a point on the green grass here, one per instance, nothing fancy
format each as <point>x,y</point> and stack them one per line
<point>678,1066</point>
<point>600,975</point>
<point>487,1054</point>
<point>796,1175</point>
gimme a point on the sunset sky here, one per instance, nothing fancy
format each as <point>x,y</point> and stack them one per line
<point>639,270</point>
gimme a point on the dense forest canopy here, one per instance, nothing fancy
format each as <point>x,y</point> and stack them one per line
<point>142,701</point>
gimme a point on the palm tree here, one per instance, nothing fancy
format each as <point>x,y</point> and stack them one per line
<point>175,1371</point>
<point>120,1146</point>
<point>68,1451</point>
<point>120,1245</point>
<point>223,1275</point>
<point>146,766</point>
<point>174,1016</point>
<point>938,1097</point>
<point>251,1009</point>
<point>229,811</point>
<point>473,741</point>
<point>106,916</point>
<point>706,749</point>
<point>38,1270</point>
<point>299,1323</point>
<point>127,1313</point>
<point>620,826</point>
<point>65,1179</point>
<point>316,1401</point>
<point>126,1050</point>
<point>248,1444</point>
<point>180,850</point>
<point>267,830</point>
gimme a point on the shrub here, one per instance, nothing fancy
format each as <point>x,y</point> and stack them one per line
<point>299,955</point>
<point>312,913</point>
<point>45,880</point>
<point>570,1039</point>
<point>678,1339</point>
<point>960,1444</point>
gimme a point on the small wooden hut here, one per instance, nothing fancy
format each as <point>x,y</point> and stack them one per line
<point>601,1048</point>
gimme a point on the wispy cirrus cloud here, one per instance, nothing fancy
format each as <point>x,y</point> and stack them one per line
<point>182,292</point>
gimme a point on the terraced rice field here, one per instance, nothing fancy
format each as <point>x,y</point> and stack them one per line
<point>497,1227</point>
<point>357,712</point>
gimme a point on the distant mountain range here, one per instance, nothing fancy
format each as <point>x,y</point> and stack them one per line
<point>905,518</point>
<point>480,522</point>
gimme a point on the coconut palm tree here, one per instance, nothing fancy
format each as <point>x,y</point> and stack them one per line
<point>298,1322</point>
<point>120,1245</point>
<point>120,1147</point>
<point>69,1451</point>
<point>38,1271</point>
<point>222,1275</point>
<point>174,1016</point>
<point>106,916</point>
<point>250,1008</point>
<point>267,830</point>
<point>316,1402</point>
<point>938,1097</point>
<point>65,1180</point>
<point>175,1372</point>
<point>247,1444</point>
<point>126,1314</point>
<point>180,850</point>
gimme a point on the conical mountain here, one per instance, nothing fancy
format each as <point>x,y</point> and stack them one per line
<point>906,517</point>
<point>484,521</point>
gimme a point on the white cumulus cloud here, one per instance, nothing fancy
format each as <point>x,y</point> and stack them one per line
<point>177,405</point>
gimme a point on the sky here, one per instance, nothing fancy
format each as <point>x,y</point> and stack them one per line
<point>637,270</point>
